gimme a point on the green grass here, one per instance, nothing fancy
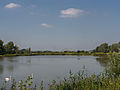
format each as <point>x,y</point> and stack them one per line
<point>61,53</point>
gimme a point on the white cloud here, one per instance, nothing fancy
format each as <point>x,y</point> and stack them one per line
<point>71,13</point>
<point>46,25</point>
<point>12,5</point>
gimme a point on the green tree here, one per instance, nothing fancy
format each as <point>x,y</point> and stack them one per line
<point>22,51</point>
<point>102,48</point>
<point>1,47</point>
<point>114,47</point>
<point>9,48</point>
<point>16,49</point>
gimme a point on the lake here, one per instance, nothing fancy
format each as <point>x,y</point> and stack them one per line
<point>47,68</point>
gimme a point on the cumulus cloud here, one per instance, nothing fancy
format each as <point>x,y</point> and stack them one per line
<point>46,25</point>
<point>71,13</point>
<point>12,5</point>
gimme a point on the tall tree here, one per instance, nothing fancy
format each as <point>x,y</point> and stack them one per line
<point>114,47</point>
<point>9,47</point>
<point>16,49</point>
<point>1,47</point>
<point>102,48</point>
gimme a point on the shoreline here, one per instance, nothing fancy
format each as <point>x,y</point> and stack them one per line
<point>60,54</point>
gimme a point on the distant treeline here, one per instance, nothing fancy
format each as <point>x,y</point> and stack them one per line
<point>60,52</point>
<point>105,48</point>
<point>11,48</point>
<point>47,51</point>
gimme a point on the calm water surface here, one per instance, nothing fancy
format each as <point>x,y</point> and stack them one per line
<point>46,67</point>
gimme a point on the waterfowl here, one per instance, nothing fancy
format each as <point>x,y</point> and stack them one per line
<point>8,79</point>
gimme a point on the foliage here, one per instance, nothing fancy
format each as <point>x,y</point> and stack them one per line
<point>16,49</point>
<point>108,48</point>
<point>23,85</point>
<point>1,47</point>
<point>11,48</point>
<point>102,48</point>
<point>113,67</point>
<point>114,47</point>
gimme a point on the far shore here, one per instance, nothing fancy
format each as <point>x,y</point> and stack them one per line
<point>59,53</point>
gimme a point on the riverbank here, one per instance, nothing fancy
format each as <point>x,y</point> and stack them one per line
<point>60,53</point>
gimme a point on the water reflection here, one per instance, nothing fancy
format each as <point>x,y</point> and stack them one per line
<point>1,69</point>
<point>28,60</point>
<point>78,58</point>
<point>10,68</point>
<point>48,67</point>
<point>1,66</point>
<point>103,60</point>
<point>8,64</point>
<point>12,59</point>
<point>1,59</point>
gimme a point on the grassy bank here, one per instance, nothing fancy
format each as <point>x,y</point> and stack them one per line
<point>12,55</point>
<point>108,80</point>
<point>45,53</point>
<point>60,53</point>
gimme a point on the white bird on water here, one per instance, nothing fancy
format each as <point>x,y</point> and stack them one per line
<point>31,76</point>
<point>8,79</point>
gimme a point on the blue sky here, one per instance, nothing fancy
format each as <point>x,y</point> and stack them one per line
<point>60,24</point>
